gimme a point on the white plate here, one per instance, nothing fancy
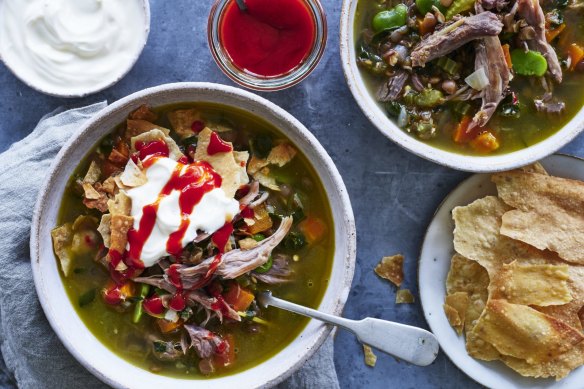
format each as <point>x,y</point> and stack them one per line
<point>437,250</point>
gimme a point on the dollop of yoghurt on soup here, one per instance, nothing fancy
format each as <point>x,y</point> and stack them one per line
<point>176,202</point>
<point>175,199</point>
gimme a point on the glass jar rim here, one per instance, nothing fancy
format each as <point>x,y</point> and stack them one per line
<point>273,83</point>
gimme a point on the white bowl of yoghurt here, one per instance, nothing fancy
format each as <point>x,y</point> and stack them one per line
<point>72,48</point>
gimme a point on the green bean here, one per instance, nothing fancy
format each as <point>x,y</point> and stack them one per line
<point>429,98</point>
<point>390,19</point>
<point>425,6</point>
<point>266,266</point>
<point>528,63</point>
<point>459,6</point>
<point>138,310</point>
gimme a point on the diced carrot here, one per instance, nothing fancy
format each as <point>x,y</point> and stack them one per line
<point>238,297</point>
<point>167,326</point>
<point>262,220</point>
<point>313,228</point>
<point>128,289</point>
<point>550,35</point>
<point>576,54</point>
<point>227,356</point>
<point>461,134</point>
<point>507,53</point>
<point>485,142</point>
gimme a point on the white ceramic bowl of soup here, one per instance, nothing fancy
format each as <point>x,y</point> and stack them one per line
<point>377,115</point>
<point>79,340</point>
<point>72,48</point>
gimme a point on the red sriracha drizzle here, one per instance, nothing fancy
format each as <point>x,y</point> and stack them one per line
<point>270,38</point>
<point>217,145</point>
<point>192,181</point>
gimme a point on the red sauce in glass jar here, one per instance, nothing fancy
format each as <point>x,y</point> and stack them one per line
<point>270,38</point>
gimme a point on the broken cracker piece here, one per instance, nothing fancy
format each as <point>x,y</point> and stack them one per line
<point>62,238</point>
<point>455,307</point>
<point>404,296</point>
<point>370,357</point>
<point>391,268</point>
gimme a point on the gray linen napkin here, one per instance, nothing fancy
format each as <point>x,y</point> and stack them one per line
<point>33,356</point>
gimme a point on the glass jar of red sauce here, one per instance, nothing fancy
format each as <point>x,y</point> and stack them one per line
<point>271,45</point>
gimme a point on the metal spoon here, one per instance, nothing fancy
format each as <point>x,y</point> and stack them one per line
<point>412,344</point>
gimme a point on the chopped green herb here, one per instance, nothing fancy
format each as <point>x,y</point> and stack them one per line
<point>258,237</point>
<point>294,241</point>
<point>159,346</point>
<point>266,266</point>
<point>262,145</point>
<point>87,297</point>
<point>191,140</point>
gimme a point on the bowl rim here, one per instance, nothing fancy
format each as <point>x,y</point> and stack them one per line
<point>90,91</point>
<point>476,164</point>
<point>341,292</point>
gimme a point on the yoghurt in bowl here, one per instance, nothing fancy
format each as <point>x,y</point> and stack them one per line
<point>72,48</point>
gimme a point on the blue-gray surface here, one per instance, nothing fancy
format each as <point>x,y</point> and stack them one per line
<point>393,193</point>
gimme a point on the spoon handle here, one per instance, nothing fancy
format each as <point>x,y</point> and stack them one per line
<point>411,344</point>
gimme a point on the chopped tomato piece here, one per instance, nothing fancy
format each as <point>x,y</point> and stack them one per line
<point>153,306</point>
<point>576,54</point>
<point>225,355</point>
<point>461,134</point>
<point>485,142</point>
<point>114,294</point>
<point>313,228</point>
<point>167,327</point>
<point>239,298</point>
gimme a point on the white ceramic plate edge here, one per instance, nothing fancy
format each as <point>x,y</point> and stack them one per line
<point>434,263</point>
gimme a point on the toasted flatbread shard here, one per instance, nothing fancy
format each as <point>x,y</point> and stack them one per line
<point>549,212</point>
<point>104,229</point>
<point>559,367</point>
<point>455,307</point>
<point>93,174</point>
<point>264,178</point>
<point>121,204</point>
<point>132,175</point>
<point>370,357</point>
<point>391,268</point>
<point>182,121</point>
<point>138,127</point>
<point>522,332</point>
<point>62,239</point>
<point>469,277</point>
<point>281,154</point>
<point>119,226</point>
<point>241,157</point>
<point>570,313</point>
<point>231,171</point>
<point>247,243</point>
<point>261,220</point>
<point>144,112</point>
<point>404,296</point>
<point>157,134</point>
<point>529,284</point>
<point>535,168</point>
<point>477,237</point>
